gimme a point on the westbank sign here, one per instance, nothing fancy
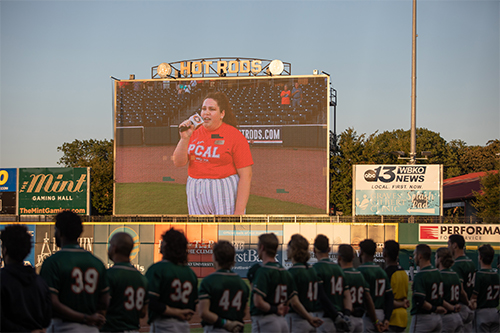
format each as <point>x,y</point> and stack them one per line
<point>485,233</point>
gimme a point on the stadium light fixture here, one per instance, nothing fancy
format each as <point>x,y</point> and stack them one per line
<point>164,70</point>
<point>276,67</point>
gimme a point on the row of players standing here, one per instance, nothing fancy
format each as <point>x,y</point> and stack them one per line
<point>297,300</point>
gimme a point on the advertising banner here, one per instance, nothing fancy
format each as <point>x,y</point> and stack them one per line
<point>482,233</point>
<point>397,190</point>
<point>8,179</point>
<point>47,191</point>
<point>8,188</point>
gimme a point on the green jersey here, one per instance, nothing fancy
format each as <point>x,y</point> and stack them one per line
<point>378,282</point>
<point>274,283</point>
<point>451,286</point>
<point>334,282</point>
<point>173,285</point>
<point>487,288</point>
<point>466,271</point>
<point>227,293</point>
<point>306,283</point>
<point>429,284</point>
<point>357,287</point>
<point>128,290</point>
<point>77,277</point>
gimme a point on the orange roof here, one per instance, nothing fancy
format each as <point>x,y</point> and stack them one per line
<point>461,187</point>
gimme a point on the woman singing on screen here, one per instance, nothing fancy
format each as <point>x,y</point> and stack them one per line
<point>219,160</point>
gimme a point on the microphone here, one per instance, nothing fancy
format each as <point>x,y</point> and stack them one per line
<point>195,119</point>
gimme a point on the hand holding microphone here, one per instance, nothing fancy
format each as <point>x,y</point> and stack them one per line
<point>195,120</point>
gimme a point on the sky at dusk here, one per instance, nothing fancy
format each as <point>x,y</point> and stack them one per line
<point>56,59</point>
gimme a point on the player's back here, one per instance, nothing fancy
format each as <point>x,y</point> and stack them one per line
<point>487,288</point>
<point>378,282</point>
<point>227,292</point>
<point>429,284</point>
<point>173,285</point>
<point>451,286</point>
<point>466,271</point>
<point>306,284</point>
<point>357,285</point>
<point>128,290</point>
<point>77,277</point>
<point>274,284</point>
<point>334,282</point>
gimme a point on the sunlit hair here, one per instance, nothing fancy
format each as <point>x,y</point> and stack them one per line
<point>224,254</point>
<point>445,257</point>
<point>457,239</point>
<point>270,243</point>
<point>224,105</point>
<point>368,246</point>
<point>69,225</point>
<point>322,244</point>
<point>299,248</point>
<point>424,250</point>
<point>391,249</point>
<point>123,242</point>
<point>346,252</point>
<point>487,253</point>
<point>16,241</point>
<point>174,247</point>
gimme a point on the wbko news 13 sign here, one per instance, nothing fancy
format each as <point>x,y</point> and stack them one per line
<point>47,191</point>
<point>397,190</point>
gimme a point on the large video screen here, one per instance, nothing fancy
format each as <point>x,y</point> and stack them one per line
<point>284,121</point>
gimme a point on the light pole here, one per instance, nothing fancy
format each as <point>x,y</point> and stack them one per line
<point>413,139</point>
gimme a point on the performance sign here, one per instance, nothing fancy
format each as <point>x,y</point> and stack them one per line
<point>397,189</point>
<point>484,233</point>
<point>47,191</point>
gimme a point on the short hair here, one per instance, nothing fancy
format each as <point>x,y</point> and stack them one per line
<point>391,248</point>
<point>322,243</point>
<point>444,254</point>
<point>299,248</point>
<point>457,239</point>
<point>175,246</point>
<point>69,225</point>
<point>270,243</point>
<point>224,254</point>
<point>368,246</point>
<point>424,250</point>
<point>346,252</point>
<point>124,243</point>
<point>487,253</point>
<point>16,241</point>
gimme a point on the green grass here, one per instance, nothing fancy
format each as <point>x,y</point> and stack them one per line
<point>167,198</point>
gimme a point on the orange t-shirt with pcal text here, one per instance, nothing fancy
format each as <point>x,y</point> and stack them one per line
<point>217,154</point>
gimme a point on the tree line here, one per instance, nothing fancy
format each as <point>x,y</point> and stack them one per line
<point>347,149</point>
<point>350,148</point>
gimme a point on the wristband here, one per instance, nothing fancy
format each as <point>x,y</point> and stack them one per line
<point>433,309</point>
<point>220,322</point>
<point>376,322</point>
<point>85,318</point>
<point>347,312</point>
<point>273,309</point>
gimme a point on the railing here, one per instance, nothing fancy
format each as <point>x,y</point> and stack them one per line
<point>260,219</point>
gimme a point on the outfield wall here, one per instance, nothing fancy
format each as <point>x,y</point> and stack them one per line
<point>244,236</point>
